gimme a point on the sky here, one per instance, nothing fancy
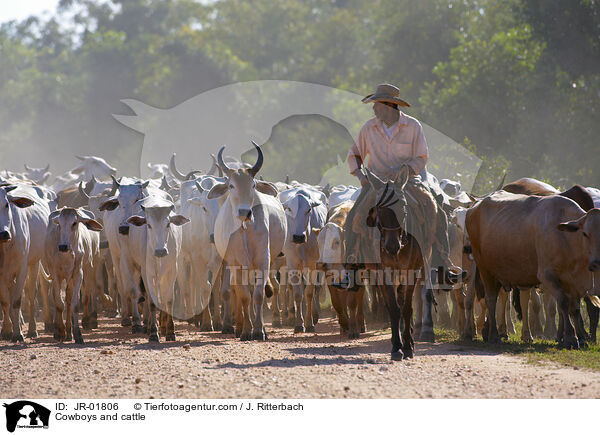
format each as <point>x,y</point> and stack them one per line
<point>17,10</point>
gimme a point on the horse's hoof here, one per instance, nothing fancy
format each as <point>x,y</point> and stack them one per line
<point>137,329</point>
<point>17,338</point>
<point>353,335</point>
<point>32,334</point>
<point>153,338</point>
<point>428,336</point>
<point>246,336</point>
<point>94,324</point>
<point>69,337</point>
<point>397,356</point>
<point>170,337</point>
<point>126,321</point>
<point>408,353</point>
<point>310,328</point>
<point>363,329</point>
<point>227,330</point>
<point>298,329</point>
<point>206,328</point>
<point>259,336</point>
<point>238,334</point>
<point>78,339</point>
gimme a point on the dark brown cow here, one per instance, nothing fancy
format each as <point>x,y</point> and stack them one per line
<point>520,240</point>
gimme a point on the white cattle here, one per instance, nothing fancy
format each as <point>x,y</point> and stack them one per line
<point>71,248</point>
<point>126,244</point>
<point>341,193</point>
<point>199,257</point>
<point>23,221</point>
<point>305,213</point>
<point>250,232</point>
<point>161,249</point>
<point>89,166</point>
<point>37,175</point>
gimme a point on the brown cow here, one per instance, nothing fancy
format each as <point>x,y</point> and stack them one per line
<point>520,240</point>
<point>347,305</point>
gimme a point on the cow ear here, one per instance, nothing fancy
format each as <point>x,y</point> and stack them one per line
<point>145,184</point>
<point>217,190</point>
<point>53,215</point>
<point>8,188</point>
<point>91,224</point>
<point>138,221</point>
<point>571,226</point>
<point>266,188</point>
<point>109,204</point>
<point>178,220</point>
<point>20,201</point>
<point>371,218</point>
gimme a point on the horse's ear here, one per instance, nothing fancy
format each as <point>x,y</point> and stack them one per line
<point>372,218</point>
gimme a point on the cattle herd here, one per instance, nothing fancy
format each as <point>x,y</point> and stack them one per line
<point>219,249</point>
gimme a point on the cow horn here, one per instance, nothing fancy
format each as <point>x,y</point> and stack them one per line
<point>164,185</point>
<point>287,179</point>
<point>82,192</point>
<point>47,167</point>
<point>198,186</point>
<point>259,161</point>
<point>191,174</point>
<point>115,186</point>
<point>226,169</point>
<point>26,167</point>
<point>80,158</point>
<point>213,167</point>
<point>90,185</point>
<point>174,170</point>
<point>502,182</point>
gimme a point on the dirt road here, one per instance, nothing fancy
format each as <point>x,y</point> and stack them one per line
<point>112,363</point>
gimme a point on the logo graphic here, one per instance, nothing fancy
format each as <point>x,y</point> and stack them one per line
<point>26,414</point>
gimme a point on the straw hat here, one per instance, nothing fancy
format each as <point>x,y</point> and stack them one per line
<point>386,93</point>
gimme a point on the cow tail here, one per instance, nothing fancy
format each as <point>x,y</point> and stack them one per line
<point>479,289</point>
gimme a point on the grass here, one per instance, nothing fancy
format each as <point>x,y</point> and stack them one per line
<point>541,351</point>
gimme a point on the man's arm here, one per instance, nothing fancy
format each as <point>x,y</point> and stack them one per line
<point>420,154</point>
<point>355,158</point>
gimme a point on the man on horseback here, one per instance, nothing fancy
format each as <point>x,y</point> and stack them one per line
<point>395,144</point>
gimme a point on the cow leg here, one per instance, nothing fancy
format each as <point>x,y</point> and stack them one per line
<point>536,321</point>
<point>360,315</point>
<point>418,309</point>
<point>551,284</point>
<point>594,314</point>
<point>46,300</point>
<point>492,288</point>
<point>15,304</point>
<point>443,311</point>
<point>388,292</point>
<point>316,305</point>
<point>238,310</point>
<point>74,306</point>
<point>550,330</point>
<point>275,303</point>
<point>524,296</point>
<point>258,298</point>
<point>225,291</point>
<point>111,285</point>
<point>6,333</point>
<point>460,309</point>
<point>309,293</point>
<point>469,330</point>
<point>31,290</point>
<point>503,296</point>
<point>339,306</point>
<point>59,330</point>
<point>243,299</point>
<point>575,312</point>
<point>297,286</point>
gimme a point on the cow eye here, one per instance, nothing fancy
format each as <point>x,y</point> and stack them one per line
<point>586,235</point>
<point>74,223</point>
<point>6,205</point>
<point>149,226</point>
<point>231,186</point>
<point>204,208</point>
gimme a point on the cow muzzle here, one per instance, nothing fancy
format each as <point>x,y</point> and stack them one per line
<point>244,214</point>
<point>4,236</point>
<point>124,230</point>
<point>299,238</point>
<point>63,247</point>
<point>594,266</point>
<point>161,252</point>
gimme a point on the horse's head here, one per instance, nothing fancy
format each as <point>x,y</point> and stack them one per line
<point>389,214</point>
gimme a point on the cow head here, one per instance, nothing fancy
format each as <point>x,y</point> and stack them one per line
<point>588,226</point>
<point>6,210</point>
<point>298,210</point>
<point>241,186</point>
<point>68,220</point>
<point>126,200</point>
<point>38,175</point>
<point>158,219</point>
<point>209,207</point>
<point>96,166</point>
<point>389,213</point>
